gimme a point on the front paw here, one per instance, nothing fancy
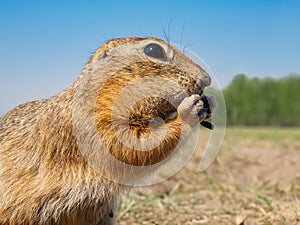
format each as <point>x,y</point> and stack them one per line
<point>195,109</point>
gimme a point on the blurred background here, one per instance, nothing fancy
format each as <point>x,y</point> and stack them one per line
<point>253,49</point>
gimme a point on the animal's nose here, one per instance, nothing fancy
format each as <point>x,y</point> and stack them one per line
<point>205,81</point>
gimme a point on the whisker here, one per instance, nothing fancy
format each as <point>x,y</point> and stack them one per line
<point>181,38</point>
<point>169,26</point>
<point>165,32</point>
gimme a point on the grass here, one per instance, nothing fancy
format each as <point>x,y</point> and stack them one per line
<point>255,180</point>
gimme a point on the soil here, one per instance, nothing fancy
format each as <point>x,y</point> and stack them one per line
<point>255,179</point>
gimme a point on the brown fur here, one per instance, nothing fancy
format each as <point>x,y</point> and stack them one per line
<point>44,176</point>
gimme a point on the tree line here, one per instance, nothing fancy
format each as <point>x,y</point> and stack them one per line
<point>263,102</point>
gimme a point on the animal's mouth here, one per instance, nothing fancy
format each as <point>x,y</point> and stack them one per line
<point>200,92</point>
<point>180,96</point>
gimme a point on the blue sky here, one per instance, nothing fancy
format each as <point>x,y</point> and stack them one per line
<point>44,44</point>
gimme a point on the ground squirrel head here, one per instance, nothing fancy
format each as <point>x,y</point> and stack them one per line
<point>130,90</point>
<point>141,57</point>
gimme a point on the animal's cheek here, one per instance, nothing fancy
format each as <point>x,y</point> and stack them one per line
<point>190,84</point>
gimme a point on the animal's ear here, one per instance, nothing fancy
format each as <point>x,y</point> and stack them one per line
<point>104,54</point>
<point>107,49</point>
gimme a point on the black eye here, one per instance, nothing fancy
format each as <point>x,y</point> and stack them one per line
<point>155,51</point>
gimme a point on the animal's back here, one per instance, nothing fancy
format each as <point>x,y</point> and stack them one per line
<point>43,177</point>
<point>18,164</point>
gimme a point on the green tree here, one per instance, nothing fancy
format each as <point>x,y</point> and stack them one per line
<point>264,102</point>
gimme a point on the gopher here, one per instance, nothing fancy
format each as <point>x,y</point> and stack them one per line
<point>66,160</point>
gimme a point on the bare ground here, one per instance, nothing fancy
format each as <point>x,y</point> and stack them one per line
<point>254,180</point>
